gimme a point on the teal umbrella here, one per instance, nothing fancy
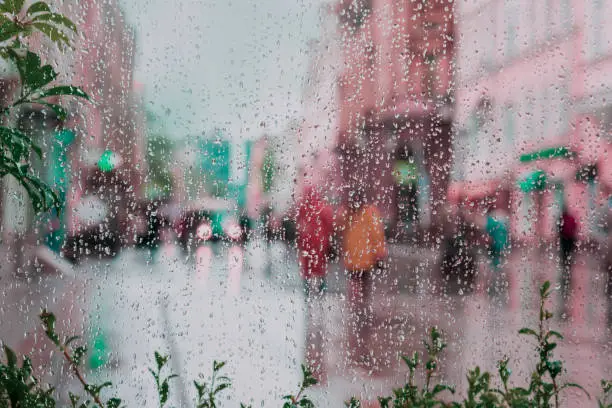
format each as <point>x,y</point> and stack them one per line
<point>535,181</point>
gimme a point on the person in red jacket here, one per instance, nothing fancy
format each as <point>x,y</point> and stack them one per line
<point>314,239</point>
<point>568,236</point>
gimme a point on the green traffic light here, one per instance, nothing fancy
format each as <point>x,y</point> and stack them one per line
<point>107,161</point>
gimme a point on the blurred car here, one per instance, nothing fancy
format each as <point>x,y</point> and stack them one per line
<point>97,232</point>
<point>148,223</point>
<point>206,220</point>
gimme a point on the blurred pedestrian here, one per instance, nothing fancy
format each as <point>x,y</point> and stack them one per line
<point>568,236</point>
<point>314,232</point>
<point>364,250</point>
<point>608,262</point>
<point>496,226</point>
<point>458,266</point>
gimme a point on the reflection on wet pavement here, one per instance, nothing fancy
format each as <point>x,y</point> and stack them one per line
<point>219,303</point>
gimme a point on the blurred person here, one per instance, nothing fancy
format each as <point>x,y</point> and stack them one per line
<point>458,260</point>
<point>406,179</point>
<point>314,231</point>
<point>568,237</point>
<point>364,250</point>
<point>269,225</point>
<point>608,262</point>
<point>496,227</point>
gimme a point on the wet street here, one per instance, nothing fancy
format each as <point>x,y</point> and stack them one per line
<point>245,305</point>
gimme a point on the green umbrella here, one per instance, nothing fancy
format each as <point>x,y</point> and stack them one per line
<point>535,181</point>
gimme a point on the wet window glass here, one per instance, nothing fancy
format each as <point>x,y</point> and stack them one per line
<point>306,203</point>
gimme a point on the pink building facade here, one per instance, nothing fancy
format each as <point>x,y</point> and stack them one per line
<point>532,80</point>
<point>396,95</point>
<point>317,135</point>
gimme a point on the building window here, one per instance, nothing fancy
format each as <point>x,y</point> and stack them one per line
<point>354,13</point>
<point>431,72</point>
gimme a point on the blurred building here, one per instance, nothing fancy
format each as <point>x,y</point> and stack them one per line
<point>533,111</point>
<point>318,131</point>
<point>395,107</point>
<point>272,172</point>
<point>102,64</point>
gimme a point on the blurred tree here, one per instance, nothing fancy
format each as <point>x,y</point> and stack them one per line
<point>36,87</point>
<point>160,150</point>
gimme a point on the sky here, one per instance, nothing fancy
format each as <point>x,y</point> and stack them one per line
<point>233,64</point>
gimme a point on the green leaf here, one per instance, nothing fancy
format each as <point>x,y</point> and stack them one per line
<point>79,352</point>
<point>528,331</point>
<point>164,390</point>
<point>306,403</point>
<point>221,387</point>
<point>554,368</point>
<point>57,109</point>
<point>552,333</point>
<point>544,289</point>
<point>38,7</point>
<point>40,78</point>
<point>12,6</point>
<point>574,385</point>
<point>217,365</point>
<point>26,366</point>
<point>48,320</point>
<point>384,402</point>
<point>438,388</point>
<point>70,340</point>
<point>33,76</point>
<point>160,360</point>
<point>412,362</point>
<point>8,29</point>
<point>11,357</point>
<point>54,34</point>
<point>113,403</point>
<point>353,403</point>
<point>57,19</point>
<point>67,90</point>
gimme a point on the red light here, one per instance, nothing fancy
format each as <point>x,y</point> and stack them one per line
<point>204,232</point>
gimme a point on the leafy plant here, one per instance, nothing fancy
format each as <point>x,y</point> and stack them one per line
<point>74,358</point>
<point>411,395</point>
<point>300,400</point>
<point>19,388</point>
<point>606,399</point>
<point>162,383</point>
<point>544,386</point>
<point>353,403</point>
<point>36,87</point>
<point>207,393</point>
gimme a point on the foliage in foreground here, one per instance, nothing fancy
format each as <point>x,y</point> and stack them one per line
<point>36,88</point>
<point>19,388</point>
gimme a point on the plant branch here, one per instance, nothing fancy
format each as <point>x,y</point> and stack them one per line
<point>79,376</point>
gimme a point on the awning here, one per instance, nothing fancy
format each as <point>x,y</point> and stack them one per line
<point>549,153</point>
<point>535,181</point>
